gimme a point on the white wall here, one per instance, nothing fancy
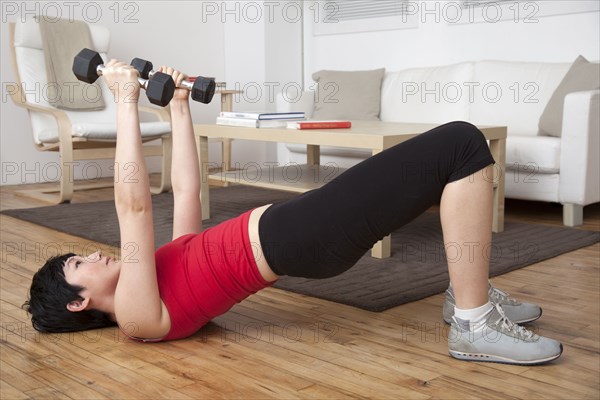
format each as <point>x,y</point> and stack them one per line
<point>437,41</point>
<point>263,54</point>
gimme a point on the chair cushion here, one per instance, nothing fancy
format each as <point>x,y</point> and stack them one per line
<point>105,131</point>
<point>533,153</point>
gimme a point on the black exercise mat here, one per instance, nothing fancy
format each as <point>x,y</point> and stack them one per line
<point>417,268</point>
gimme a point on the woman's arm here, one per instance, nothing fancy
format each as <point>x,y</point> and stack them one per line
<point>185,169</point>
<point>137,299</point>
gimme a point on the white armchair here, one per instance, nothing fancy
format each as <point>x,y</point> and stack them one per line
<point>75,135</point>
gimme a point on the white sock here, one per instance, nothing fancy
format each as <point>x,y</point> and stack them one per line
<point>475,316</point>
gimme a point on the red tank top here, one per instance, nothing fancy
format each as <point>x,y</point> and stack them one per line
<point>201,276</point>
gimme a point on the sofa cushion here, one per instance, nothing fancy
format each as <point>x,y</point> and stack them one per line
<point>533,154</point>
<point>348,94</point>
<point>435,94</point>
<point>582,76</point>
<point>513,94</point>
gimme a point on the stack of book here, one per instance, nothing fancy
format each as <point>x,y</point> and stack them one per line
<point>258,120</point>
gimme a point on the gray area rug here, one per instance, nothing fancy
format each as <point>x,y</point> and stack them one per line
<point>417,268</point>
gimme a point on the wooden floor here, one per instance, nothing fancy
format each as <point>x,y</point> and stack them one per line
<point>278,344</point>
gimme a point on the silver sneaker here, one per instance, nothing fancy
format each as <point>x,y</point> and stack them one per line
<point>500,340</point>
<point>516,311</point>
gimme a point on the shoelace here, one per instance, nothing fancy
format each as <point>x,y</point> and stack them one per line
<point>519,331</point>
<point>498,296</point>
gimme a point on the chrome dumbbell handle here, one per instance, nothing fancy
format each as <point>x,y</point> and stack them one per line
<point>143,82</point>
<point>184,83</point>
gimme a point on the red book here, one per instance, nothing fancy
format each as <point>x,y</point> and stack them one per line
<point>319,124</point>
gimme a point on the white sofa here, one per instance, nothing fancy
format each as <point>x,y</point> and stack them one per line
<point>562,169</point>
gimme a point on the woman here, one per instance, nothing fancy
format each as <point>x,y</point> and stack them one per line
<point>171,293</point>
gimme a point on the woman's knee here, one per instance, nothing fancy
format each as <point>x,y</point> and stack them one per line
<point>471,150</point>
<point>465,131</point>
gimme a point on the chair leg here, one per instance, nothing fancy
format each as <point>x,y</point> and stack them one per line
<point>226,159</point>
<point>63,193</point>
<point>67,177</point>
<point>67,180</point>
<point>165,177</point>
<point>226,154</point>
<point>572,214</point>
<point>54,195</point>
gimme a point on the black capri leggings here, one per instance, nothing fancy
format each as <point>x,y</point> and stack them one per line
<point>324,232</point>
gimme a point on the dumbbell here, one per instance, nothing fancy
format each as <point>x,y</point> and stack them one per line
<point>88,66</point>
<point>203,89</point>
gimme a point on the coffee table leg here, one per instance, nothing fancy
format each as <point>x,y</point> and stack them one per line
<point>202,148</point>
<point>313,154</point>
<point>498,150</point>
<point>383,248</point>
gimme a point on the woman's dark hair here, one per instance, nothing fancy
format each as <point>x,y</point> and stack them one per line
<point>48,298</point>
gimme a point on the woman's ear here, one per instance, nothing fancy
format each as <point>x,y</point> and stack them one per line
<point>78,305</point>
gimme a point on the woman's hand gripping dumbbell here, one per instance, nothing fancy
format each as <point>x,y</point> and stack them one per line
<point>203,89</point>
<point>88,66</point>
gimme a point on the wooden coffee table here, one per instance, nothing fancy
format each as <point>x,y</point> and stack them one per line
<point>375,136</point>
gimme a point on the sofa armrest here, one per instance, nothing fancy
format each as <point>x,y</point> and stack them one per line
<point>580,149</point>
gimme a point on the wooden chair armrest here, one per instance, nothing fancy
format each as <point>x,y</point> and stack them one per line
<point>17,95</point>
<point>62,119</point>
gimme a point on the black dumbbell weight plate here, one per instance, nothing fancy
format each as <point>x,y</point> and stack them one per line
<point>203,89</point>
<point>85,65</point>
<point>161,89</point>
